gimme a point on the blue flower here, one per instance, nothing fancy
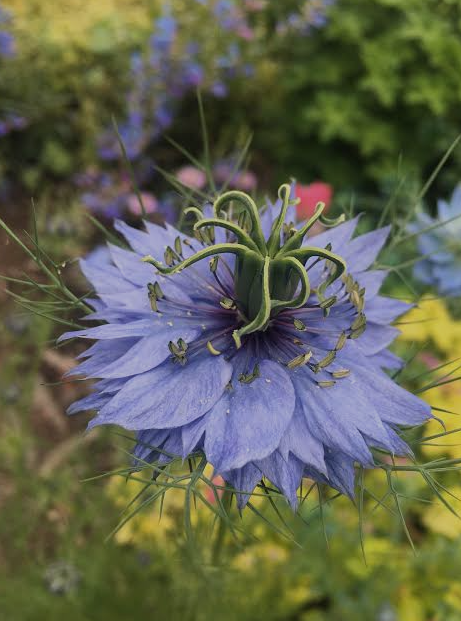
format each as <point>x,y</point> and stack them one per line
<point>7,40</point>
<point>250,343</point>
<point>7,44</point>
<point>441,267</point>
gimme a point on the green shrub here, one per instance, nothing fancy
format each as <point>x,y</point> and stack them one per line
<point>67,79</point>
<point>379,87</point>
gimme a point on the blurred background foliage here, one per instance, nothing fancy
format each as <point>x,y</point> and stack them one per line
<point>372,91</point>
<point>363,95</point>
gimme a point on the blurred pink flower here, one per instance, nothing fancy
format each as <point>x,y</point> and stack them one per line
<point>209,494</point>
<point>245,181</point>
<point>148,199</point>
<point>429,360</point>
<point>255,5</point>
<point>245,32</point>
<point>191,177</point>
<point>311,194</point>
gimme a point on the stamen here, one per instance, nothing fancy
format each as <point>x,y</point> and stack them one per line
<point>341,341</point>
<point>152,295</point>
<point>341,373</point>
<point>227,303</point>
<point>325,362</point>
<point>158,291</point>
<point>212,349</point>
<point>299,360</point>
<point>326,383</point>
<point>299,325</point>
<point>214,264</point>
<point>178,246</point>
<point>327,304</point>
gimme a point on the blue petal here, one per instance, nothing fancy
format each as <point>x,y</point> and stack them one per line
<point>395,405</point>
<point>131,267</point>
<point>387,360</point>
<point>192,434</point>
<point>362,251</point>
<point>383,310</point>
<point>147,353</point>
<point>285,474</point>
<point>449,277</point>
<point>395,445</point>
<point>423,272</point>
<point>95,401</point>
<point>243,479</point>
<point>298,440</point>
<point>376,338</point>
<point>372,281</point>
<point>168,396</point>
<point>331,415</point>
<point>430,244</point>
<point>148,441</point>
<point>249,421</point>
<point>101,354</point>
<point>109,331</point>
<point>141,242</point>
<point>338,236</point>
<point>341,473</point>
<point>105,279</point>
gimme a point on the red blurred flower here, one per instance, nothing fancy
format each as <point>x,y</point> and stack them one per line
<point>209,494</point>
<point>311,194</point>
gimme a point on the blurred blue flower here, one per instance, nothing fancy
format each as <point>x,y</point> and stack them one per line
<point>311,14</point>
<point>7,40</point>
<point>262,358</point>
<point>12,122</point>
<point>165,30</point>
<point>7,44</point>
<point>442,243</point>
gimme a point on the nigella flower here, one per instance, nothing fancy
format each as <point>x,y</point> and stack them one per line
<point>441,246</point>
<point>250,343</point>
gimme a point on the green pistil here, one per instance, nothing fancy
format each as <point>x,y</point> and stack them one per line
<point>269,276</point>
<point>247,378</point>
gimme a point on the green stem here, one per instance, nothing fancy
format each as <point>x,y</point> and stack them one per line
<point>218,544</point>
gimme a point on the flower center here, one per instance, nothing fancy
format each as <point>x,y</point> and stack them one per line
<point>269,275</point>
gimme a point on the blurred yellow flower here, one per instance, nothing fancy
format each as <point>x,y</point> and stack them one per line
<point>448,398</point>
<point>453,597</point>
<point>431,321</point>
<point>410,607</point>
<point>146,526</point>
<point>75,22</point>
<point>439,519</point>
<point>266,552</point>
<point>378,551</point>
